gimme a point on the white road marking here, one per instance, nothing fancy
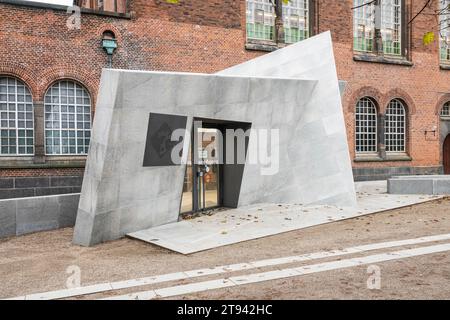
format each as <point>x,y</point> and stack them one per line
<point>281,274</point>
<point>72,292</point>
<point>103,287</point>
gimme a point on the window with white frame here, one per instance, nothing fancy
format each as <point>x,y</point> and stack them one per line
<point>395,126</point>
<point>260,20</point>
<point>445,111</point>
<point>364,22</point>
<point>366,126</point>
<point>296,20</point>
<point>67,119</point>
<point>363,25</point>
<point>16,118</point>
<point>444,30</point>
<point>391,26</point>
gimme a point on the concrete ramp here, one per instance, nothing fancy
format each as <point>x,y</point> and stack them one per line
<point>262,220</point>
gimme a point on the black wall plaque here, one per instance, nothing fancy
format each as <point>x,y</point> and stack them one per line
<point>158,147</point>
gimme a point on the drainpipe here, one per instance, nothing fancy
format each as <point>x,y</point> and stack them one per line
<point>279,27</point>
<point>378,41</point>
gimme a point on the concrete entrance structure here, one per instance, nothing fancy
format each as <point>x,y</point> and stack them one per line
<point>294,91</point>
<point>444,138</point>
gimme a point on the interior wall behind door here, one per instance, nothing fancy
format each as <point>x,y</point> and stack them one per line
<point>446,154</point>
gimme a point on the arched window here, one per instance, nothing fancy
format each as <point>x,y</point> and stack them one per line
<point>67,119</point>
<point>16,118</point>
<point>366,126</point>
<point>395,127</point>
<point>445,111</point>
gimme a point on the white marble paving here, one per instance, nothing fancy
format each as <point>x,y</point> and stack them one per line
<point>147,295</point>
<point>264,276</point>
<point>278,261</point>
<point>256,221</point>
<point>70,292</point>
<point>193,287</point>
<point>149,280</point>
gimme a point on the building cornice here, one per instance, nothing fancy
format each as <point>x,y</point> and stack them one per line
<point>48,6</point>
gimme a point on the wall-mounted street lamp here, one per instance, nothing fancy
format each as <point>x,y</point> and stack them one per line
<point>109,44</point>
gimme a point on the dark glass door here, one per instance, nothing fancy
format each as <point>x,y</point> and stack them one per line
<point>208,168</point>
<point>201,189</point>
<point>446,155</point>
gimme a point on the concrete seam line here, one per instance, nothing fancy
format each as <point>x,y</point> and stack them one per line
<point>280,274</point>
<point>102,287</point>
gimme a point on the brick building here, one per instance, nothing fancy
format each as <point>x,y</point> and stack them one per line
<point>396,103</point>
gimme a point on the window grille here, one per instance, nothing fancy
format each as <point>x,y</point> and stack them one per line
<point>445,111</point>
<point>366,126</point>
<point>395,125</point>
<point>444,30</point>
<point>296,20</point>
<point>67,119</point>
<point>260,20</point>
<point>390,26</point>
<point>16,118</point>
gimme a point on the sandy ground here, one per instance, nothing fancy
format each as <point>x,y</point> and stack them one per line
<point>38,262</point>
<point>426,277</point>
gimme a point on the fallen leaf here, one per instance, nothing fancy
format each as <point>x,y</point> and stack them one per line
<point>428,38</point>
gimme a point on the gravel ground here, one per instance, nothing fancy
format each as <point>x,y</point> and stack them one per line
<point>38,262</point>
<point>426,277</point>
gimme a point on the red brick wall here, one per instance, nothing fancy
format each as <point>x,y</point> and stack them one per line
<point>213,13</point>
<point>420,86</point>
<point>207,36</point>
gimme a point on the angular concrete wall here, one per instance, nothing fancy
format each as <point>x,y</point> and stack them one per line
<point>120,195</point>
<point>323,161</point>
<point>25,215</point>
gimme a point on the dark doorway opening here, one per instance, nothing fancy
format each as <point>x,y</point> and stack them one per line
<point>211,181</point>
<point>446,155</point>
